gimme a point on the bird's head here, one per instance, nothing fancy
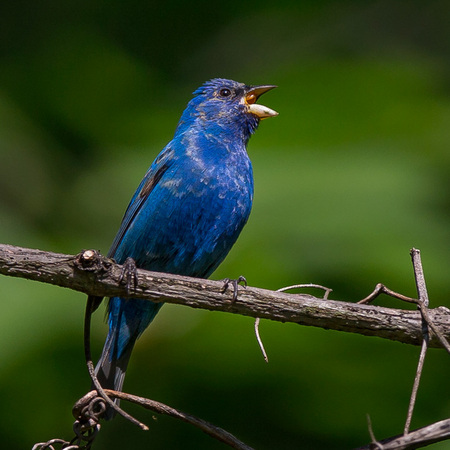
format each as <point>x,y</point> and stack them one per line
<point>229,105</point>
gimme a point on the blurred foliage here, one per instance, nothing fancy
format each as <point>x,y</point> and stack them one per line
<point>350,176</point>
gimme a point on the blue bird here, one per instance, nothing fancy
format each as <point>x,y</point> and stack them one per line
<point>188,210</point>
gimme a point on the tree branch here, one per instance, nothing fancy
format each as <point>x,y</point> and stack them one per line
<point>96,275</point>
<point>421,437</point>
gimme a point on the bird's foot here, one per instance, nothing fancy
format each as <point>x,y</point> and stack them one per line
<point>235,284</point>
<point>129,277</point>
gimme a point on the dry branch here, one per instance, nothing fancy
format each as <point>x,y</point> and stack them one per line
<point>419,438</point>
<point>96,275</point>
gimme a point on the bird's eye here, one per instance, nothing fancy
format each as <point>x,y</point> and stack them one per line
<point>225,92</point>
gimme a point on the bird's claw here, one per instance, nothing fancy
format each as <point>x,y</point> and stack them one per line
<point>235,284</point>
<point>129,274</point>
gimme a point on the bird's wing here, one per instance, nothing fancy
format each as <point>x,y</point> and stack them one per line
<point>150,180</point>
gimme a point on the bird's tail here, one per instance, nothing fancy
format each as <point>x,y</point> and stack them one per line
<point>110,371</point>
<point>128,318</point>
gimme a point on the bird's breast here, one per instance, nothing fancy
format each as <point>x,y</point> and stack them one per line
<point>195,213</point>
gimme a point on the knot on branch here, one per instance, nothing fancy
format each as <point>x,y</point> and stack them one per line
<point>91,261</point>
<point>89,409</point>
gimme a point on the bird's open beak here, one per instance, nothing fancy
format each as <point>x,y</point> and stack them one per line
<point>259,110</point>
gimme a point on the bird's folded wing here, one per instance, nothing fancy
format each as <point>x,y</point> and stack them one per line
<point>151,179</point>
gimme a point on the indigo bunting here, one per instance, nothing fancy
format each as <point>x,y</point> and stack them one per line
<point>188,210</point>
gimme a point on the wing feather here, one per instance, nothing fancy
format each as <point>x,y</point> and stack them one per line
<point>146,187</point>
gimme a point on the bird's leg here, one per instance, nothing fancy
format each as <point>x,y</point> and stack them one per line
<point>129,274</point>
<point>234,283</point>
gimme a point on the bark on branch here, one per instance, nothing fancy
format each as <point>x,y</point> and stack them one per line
<point>96,275</point>
<point>419,438</point>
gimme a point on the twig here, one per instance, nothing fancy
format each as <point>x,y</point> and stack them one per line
<point>308,285</point>
<point>434,329</point>
<point>382,289</point>
<point>412,401</point>
<point>51,445</point>
<point>296,286</point>
<point>423,302</point>
<point>260,342</point>
<point>420,277</point>
<point>208,428</point>
<point>421,437</point>
<point>375,443</point>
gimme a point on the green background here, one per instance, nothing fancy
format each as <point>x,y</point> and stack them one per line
<point>350,176</point>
